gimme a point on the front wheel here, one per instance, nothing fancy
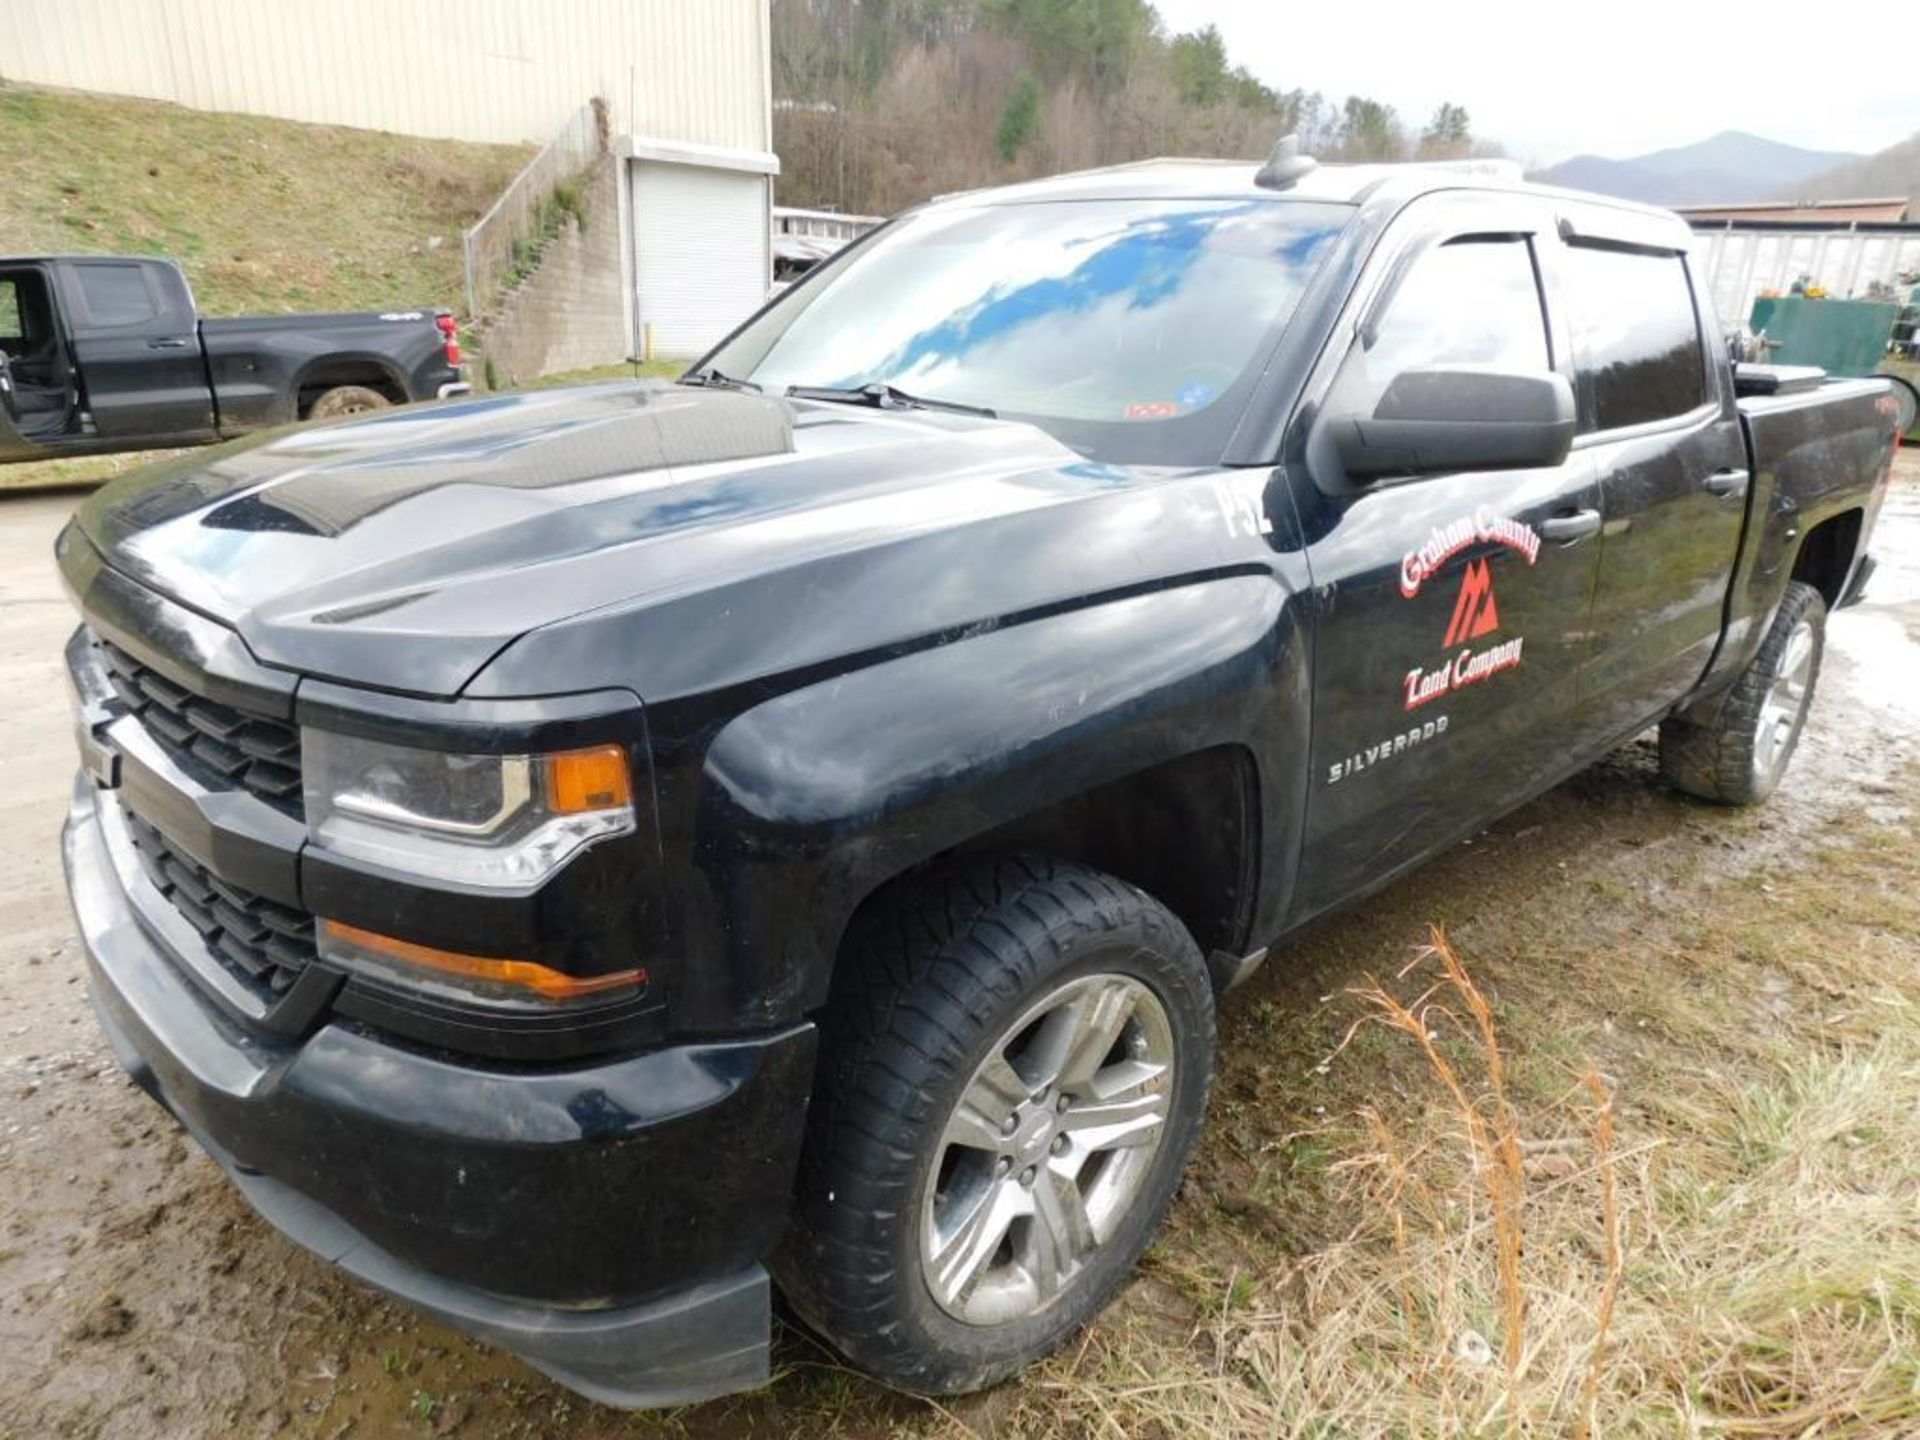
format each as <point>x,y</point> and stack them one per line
<point>1013,1078</point>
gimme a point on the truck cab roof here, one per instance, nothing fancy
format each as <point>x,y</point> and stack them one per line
<point>1386,188</point>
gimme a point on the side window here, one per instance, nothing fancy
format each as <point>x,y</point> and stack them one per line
<point>11,327</point>
<point>1636,335</point>
<point>116,295</point>
<point>1467,302</point>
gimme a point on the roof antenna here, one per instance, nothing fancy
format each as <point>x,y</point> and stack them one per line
<point>1285,165</point>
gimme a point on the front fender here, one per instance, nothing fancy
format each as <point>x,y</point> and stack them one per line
<point>811,800</point>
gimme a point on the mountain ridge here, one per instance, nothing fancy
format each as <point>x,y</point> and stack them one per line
<point>1892,171</point>
<point>1731,166</point>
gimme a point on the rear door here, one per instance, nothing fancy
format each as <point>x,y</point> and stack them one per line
<point>1449,629</point>
<point>1667,451</point>
<point>136,343</point>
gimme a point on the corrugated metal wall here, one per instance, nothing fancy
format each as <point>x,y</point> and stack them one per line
<point>504,70</point>
<point>1740,263</point>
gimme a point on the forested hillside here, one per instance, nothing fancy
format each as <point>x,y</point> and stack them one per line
<point>1893,171</point>
<point>880,103</point>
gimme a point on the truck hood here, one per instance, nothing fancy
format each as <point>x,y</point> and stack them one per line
<point>404,550</point>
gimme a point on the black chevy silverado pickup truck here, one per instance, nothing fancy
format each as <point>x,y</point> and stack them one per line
<point>579,859</point>
<point>102,353</point>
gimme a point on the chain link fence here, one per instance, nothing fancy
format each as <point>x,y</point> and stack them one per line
<point>506,242</point>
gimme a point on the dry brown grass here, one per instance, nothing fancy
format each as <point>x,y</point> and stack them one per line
<point>1709,1228</point>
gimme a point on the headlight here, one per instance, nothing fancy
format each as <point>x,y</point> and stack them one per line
<point>507,820</point>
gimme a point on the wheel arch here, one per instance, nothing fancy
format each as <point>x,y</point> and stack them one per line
<point>328,372</point>
<point>1185,830</point>
<point>1828,553</point>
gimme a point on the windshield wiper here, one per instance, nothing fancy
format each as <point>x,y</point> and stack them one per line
<point>884,397</point>
<point>713,379</point>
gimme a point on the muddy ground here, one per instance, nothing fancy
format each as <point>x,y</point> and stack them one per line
<point>139,1297</point>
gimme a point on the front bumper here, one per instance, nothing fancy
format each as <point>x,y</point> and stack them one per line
<point>603,1221</point>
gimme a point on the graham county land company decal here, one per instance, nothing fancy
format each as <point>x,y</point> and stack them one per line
<point>1475,618</point>
<point>1476,612</point>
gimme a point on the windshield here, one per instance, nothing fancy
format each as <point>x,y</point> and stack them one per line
<point>1131,329</point>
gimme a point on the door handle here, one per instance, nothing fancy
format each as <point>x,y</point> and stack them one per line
<point>1727,484</point>
<point>1566,529</point>
<point>174,343</point>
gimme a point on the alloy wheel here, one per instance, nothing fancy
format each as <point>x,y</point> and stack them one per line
<point>1045,1149</point>
<point>1785,704</point>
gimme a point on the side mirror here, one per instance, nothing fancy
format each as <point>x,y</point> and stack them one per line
<point>1460,418</point>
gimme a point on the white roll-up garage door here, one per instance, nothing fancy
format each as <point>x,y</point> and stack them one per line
<point>700,262</point>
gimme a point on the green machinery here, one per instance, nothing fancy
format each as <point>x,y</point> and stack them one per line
<point>1842,337</point>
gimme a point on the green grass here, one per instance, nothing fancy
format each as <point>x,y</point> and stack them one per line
<point>266,215</point>
<point>626,370</point>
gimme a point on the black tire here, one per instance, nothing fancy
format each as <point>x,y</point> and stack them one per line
<point>1740,759</point>
<point>346,400</point>
<point>938,972</point>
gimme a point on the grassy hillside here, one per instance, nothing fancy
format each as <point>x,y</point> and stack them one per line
<point>264,214</point>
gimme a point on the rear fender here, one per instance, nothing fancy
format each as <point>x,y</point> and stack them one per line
<point>1815,457</point>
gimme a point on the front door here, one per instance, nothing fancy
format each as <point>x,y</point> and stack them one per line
<point>1451,609</point>
<point>136,343</point>
<point>13,444</point>
<point>36,394</point>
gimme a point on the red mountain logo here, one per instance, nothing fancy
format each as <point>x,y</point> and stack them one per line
<point>1474,613</point>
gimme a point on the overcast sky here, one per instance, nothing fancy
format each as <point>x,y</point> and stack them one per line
<point>1618,78</point>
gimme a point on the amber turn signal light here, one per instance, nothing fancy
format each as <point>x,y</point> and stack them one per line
<point>594,779</point>
<point>541,980</point>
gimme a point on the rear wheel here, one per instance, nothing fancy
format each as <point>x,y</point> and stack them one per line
<point>346,400</point>
<point>1013,1077</point>
<point>1741,758</point>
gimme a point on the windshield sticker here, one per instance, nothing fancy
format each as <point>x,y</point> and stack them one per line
<point>1152,410</point>
<point>1389,749</point>
<point>1197,395</point>
<point>1446,541</point>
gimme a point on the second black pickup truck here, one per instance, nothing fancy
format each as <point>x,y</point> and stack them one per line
<point>579,859</point>
<point>105,353</point>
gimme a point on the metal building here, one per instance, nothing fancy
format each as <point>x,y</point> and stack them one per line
<point>1743,259</point>
<point>686,87</point>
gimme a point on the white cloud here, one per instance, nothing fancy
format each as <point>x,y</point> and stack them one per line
<point>1553,80</point>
